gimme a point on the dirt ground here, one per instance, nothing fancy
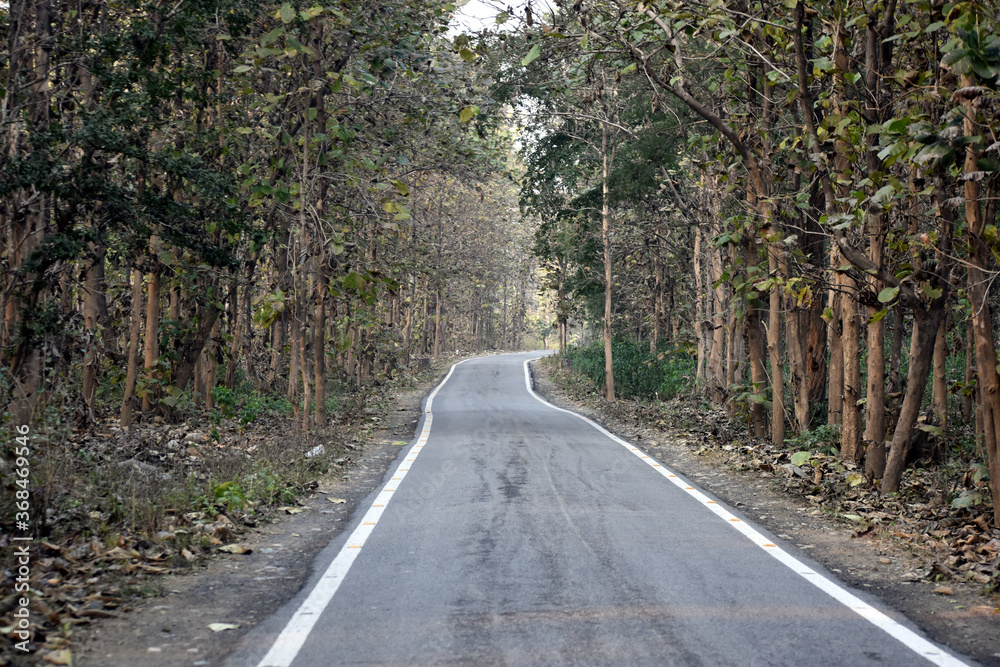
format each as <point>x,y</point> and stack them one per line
<point>239,590</point>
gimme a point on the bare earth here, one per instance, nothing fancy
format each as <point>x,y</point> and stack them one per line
<point>173,629</point>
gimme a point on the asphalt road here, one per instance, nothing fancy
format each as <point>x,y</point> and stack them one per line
<point>515,533</point>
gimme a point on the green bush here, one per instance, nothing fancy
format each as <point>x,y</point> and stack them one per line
<point>638,373</point>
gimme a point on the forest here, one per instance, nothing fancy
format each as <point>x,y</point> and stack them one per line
<point>803,194</point>
<point>219,212</point>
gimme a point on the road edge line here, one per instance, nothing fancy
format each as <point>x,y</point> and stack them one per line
<point>919,645</point>
<point>292,637</point>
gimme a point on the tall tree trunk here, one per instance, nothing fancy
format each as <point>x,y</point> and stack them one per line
<point>875,396</point>
<point>152,349</point>
<point>925,325</point>
<point>939,388</point>
<point>774,352</point>
<point>850,435</point>
<point>132,371</point>
<point>700,316</point>
<point>609,373</point>
<point>979,278</point>
<point>319,344</point>
<point>755,350</point>
<point>93,291</point>
<point>438,329</point>
<point>896,352</point>
<point>720,304</point>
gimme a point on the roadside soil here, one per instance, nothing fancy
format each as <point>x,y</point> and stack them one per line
<point>172,627</point>
<point>954,613</point>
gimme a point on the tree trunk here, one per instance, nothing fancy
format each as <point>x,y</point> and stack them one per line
<point>609,373</point>
<point>925,325</point>
<point>835,372</point>
<point>850,434</point>
<point>896,353</point>
<point>132,372</point>
<point>979,278</point>
<point>152,349</point>
<point>720,303</point>
<point>755,351</point>
<point>939,388</point>
<point>93,291</point>
<point>700,316</point>
<point>319,344</point>
<point>774,352</point>
<point>438,330</point>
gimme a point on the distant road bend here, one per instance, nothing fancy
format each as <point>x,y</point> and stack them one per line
<point>512,532</point>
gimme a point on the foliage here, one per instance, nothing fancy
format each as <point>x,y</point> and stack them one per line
<point>638,374</point>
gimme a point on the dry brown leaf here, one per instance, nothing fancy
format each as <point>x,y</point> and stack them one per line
<point>236,549</point>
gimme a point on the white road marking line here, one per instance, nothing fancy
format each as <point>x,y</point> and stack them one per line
<point>907,637</point>
<point>289,642</point>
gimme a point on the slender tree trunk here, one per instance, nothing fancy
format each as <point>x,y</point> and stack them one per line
<point>152,349</point>
<point>93,291</point>
<point>774,352</point>
<point>319,345</point>
<point>755,351</point>
<point>132,372</point>
<point>211,353</point>
<point>609,373</point>
<point>835,372</point>
<point>925,325</point>
<point>718,388</point>
<point>850,435</point>
<point>896,353</point>
<point>875,398</point>
<point>939,390</point>
<point>438,329</point>
<point>970,373</point>
<point>982,322</point>
<point>700,316</point>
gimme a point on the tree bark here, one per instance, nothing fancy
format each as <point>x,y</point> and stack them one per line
<point>93,292</point>
<point>152,348</point>
<point>132,372</point>
<point>609,373</point>
<point>850,434</point>
<point>319,345</point>
<point>979,281</point>
<point>925,326</point>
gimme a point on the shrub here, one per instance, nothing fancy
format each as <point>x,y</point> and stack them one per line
<point>638,373</point>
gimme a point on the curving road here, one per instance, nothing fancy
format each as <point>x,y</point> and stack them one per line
<point>515,533</point>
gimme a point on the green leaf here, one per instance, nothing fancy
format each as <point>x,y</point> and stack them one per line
<point>242,68</point>
<point>888,294</point>
<point>884,194</point>
<point>799,458</point>
<point>286,13</point>
<point>931,292</point>
<point>270,37</point>
<point>532,55</point>
<point>877,317</point>
<point>468,113</point>
<point>400,187</point>
<point>467,55</point>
